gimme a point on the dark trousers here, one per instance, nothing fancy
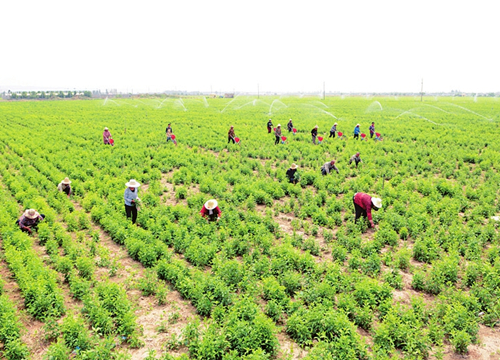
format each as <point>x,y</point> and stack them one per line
<point>213,217</point>
<point>371,135</point>
<point>229,139</point>
<point>268,130</point>
<point>356,136</point>
<point>332,134</point>
<point>277,141</point>
<point>359,211</point>
<point>131,211</point>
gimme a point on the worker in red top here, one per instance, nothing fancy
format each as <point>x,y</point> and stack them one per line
<point>211,211</point>
<point>363,205</point>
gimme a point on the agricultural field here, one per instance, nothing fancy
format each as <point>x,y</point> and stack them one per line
<point>285,273</point>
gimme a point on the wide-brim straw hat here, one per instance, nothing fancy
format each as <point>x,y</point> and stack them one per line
<point>335,124</point>
<point>31,214</point>
<point>294,166</point>
<point>316,127</point>
<point>211,204</point>
<point>105,128</point>
<point>357,125</point>
<point>279,125</point>
<point>66,181</point>
<point>377,202</point>
<point>132,183</point>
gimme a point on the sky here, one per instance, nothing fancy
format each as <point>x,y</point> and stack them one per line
<point>249,46</point>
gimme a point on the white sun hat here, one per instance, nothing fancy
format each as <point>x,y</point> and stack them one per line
<point>294,166</point>
<point>31,214</point>
<point>132,183</point>
<point>66,181</point>
<point>377,202</point>
<point>211,204</point>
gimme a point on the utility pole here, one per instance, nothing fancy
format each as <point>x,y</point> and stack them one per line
<point>422,90</point>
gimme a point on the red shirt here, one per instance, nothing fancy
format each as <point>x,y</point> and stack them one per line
<point>204,211</point>
<point>365,201</point>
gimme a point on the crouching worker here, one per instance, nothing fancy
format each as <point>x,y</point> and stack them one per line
<point>363,205</point>
<point>65,187</point>
<point>211,211</point>
<point>356,159</point>
<point>329,166</point>
<point>292,174</point>
<point>131,199</point>
<point>29,220</point>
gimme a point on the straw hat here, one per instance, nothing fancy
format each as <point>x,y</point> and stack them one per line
<point>66,181</point>
<point>316,127</point>
<point>335,124</point>
<point>377,202</point>
<point>31,214</point>
<point>105,128</point>
<point>279,125</point>
<point>357,125</point>
<point>232,126</point>
<point>294,166</point>
<point>211,204</point>
<point>132,183</point>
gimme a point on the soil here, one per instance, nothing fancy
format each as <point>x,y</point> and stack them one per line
<point>487,349</point>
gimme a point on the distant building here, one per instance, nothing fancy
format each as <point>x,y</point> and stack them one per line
<point>229,95</point>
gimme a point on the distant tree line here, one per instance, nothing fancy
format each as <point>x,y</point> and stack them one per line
<point>48,94</point>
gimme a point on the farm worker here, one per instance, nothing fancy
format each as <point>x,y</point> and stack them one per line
<point>356,159</point>
<point>169,134</point>
<point>328,166</point>
<point>363,205</point>
<point>64,186</point>
<point>131,199</point>
<point>29,220</point>
<point>211,211</point>
<point>356,132</point>
<point>372,129</point>
<point>333,130</point>
<point>292,174</point>
<point>106,136</point>
<point>277,133</point>
<point>269,126</point>
<point>314,133</point>
<point>230,135</point>
<point>290,126</point>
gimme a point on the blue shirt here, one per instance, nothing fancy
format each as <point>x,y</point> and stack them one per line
<point>356,130</point>
<point>129,196</point>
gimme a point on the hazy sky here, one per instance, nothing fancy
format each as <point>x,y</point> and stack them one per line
<point>238,45</point>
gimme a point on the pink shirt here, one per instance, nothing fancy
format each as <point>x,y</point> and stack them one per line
<point>106,135</point>
<point>365,201</point>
